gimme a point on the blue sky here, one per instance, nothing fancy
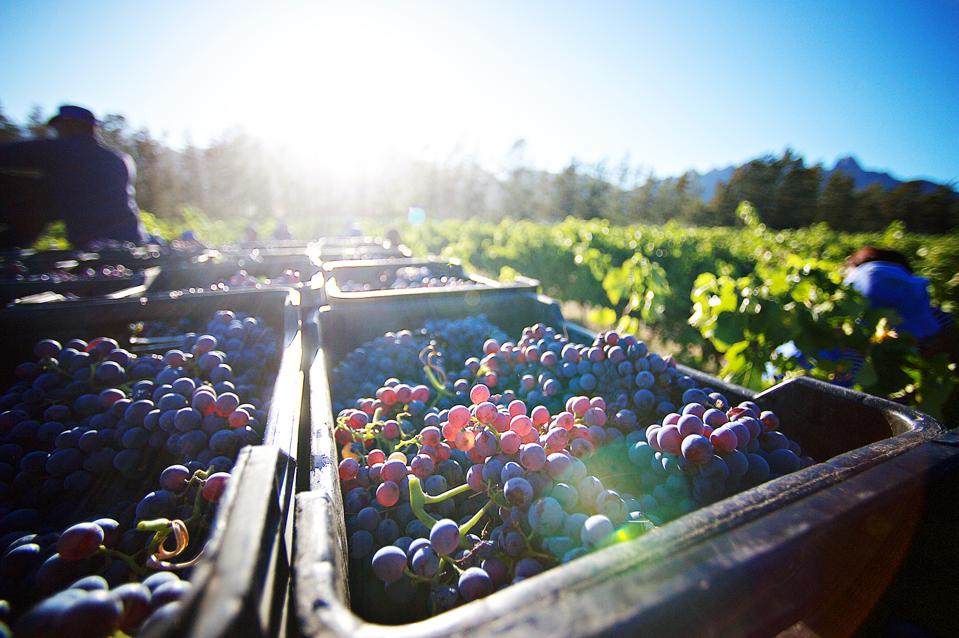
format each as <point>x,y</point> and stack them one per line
<point>675,85</point>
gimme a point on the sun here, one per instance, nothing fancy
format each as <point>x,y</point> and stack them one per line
<point>346,92</point>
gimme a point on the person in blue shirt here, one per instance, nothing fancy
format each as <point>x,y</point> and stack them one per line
<point>83,182</point>
<point>886,279</point>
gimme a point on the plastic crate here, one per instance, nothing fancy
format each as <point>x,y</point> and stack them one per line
<point>205,275</point>
<point>377,270</point>
<point>137,284</point>
<point>692,576</point>
<point>361,250</point>
<point>245,569</point>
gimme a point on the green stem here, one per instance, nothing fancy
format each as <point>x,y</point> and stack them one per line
<point>468,525</point>
<point>156,525</point>
<point>439,387</point>
<point>112,553</point>
<point>447,561</point>
<point>418,503</point>
<point>439,498</point>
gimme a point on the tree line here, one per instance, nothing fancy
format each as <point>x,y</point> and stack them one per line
<point>240,179</point>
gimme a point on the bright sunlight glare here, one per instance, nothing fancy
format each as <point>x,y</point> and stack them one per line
<point>342,88</point>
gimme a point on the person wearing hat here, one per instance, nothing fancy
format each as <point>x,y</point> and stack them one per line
<point>84,183</point>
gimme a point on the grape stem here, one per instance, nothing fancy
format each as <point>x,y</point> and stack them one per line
<point>418,503</point>
<point>447,561</point>
<point>468,525</point>
<point>132,564</point>
<point>419,500</point>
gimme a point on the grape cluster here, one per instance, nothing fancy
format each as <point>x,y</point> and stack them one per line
<point>406,278</point>
<point>242,279</point>
<point>16,271</point>
<point>483,496</point>
<point>85,432</point>
<point>545,368</point>
<point>403,355</point>
<point>446,503</point>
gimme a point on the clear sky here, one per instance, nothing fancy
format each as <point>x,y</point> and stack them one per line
<point>675,85</point>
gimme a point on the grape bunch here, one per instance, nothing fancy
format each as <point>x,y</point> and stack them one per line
<point>128,455</point>
<point>403,356</point>
<point>545,368</point>
<point>406,278</point>
<point>449,502</point>
<point>483,496</point>
<point>58,276</point>
<point>242,279</point>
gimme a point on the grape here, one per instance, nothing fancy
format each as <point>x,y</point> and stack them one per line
<point>443,598</point>
<point>80,541</point>
<point>532,456</point>
<point>697,449</point>
<point>168,592</point>
<point>758,469</point>
<point>134,599</point>
<point>20,561</point>
<point>214,486</point>
<point>153,581</point>
<point>388,494</point>
<point>425,562</point>
<point>783,461</point>
<point>444,537</point>
<point>361,544</point>
<point>160,617</point>
<point>42,619</point>
<point>527,567</point>
<point>389,563</point>
<point>596,529</point>
<point>518,491</point>
<point>91,583</point>
<point>474,583</point>
<point>546,516</point>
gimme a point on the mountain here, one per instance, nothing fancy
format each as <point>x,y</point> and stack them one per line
<point>862,178</point>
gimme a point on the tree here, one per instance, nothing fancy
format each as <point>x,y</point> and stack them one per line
<point>37,124</point>
<point>796,196</point>
<point>837,201</point>
<point>565,191</point>
<point>9,131</point>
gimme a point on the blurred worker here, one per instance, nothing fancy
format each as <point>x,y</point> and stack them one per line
<point>282,232</point>
<point>885,278</point>
<point>393,237</point>
<point>79,180</point>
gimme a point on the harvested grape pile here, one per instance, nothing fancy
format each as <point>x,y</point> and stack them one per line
<point>111,465</point>
<point>17,272</point>
<point>550,450</point>
<point>243,279</point>
<point>402,355</point>
<point>406,278</point>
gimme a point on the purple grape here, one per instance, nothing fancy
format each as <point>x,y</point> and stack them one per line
<point>80,541</point>
<point>135,601</point>
<point>595,530</point>
<point>425,562</point>
<point>153,581</point>
<point>389,563</point>
<point>174,478</point>
<point>474,583</point>
<point>444,537</point>
<point>168,592</point>
<point>518,491</point>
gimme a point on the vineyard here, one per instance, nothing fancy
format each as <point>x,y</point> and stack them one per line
<point>727,299</point>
